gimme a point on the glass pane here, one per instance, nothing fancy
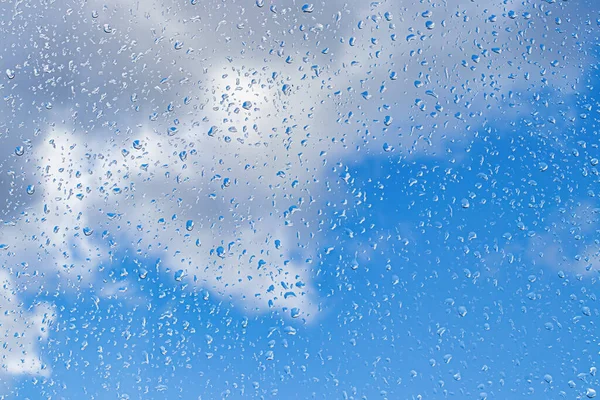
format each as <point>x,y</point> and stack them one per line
<point>273,199</point>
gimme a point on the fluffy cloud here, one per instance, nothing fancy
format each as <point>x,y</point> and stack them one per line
<point>21,329</point>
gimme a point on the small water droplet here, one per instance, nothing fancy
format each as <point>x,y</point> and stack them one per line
<point>30,189</point>
<point>308,8</point>
<point>137,144</point>
<point>189,225</point>
<point>179,275</point>
<point>19,150</point>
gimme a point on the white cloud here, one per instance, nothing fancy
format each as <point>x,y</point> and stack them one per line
<point>21,330</point>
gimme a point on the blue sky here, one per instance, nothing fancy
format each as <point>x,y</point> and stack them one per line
<point>448,251</point>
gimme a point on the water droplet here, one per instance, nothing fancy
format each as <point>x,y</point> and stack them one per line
<point>94,14</point>
<point>19,150</point>
<point>247,105</point>
<point>462,311</point>
<point>178,45</point>
<point>590,393</point>
<point>308,8</point>
<point>30,189</point>
<point>179,275</point>
<point>87,231</point>
<point>586,311</point>
<point>137,144</point>
<point>189,225</point>
<point>430,25</point>
<point>10,74</point>
<point>289,330</point>
<point>143,273</point>
<point>295,312</point>
<point>108,28</point>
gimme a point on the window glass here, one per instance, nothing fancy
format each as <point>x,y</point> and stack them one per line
<point>214,199</point>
